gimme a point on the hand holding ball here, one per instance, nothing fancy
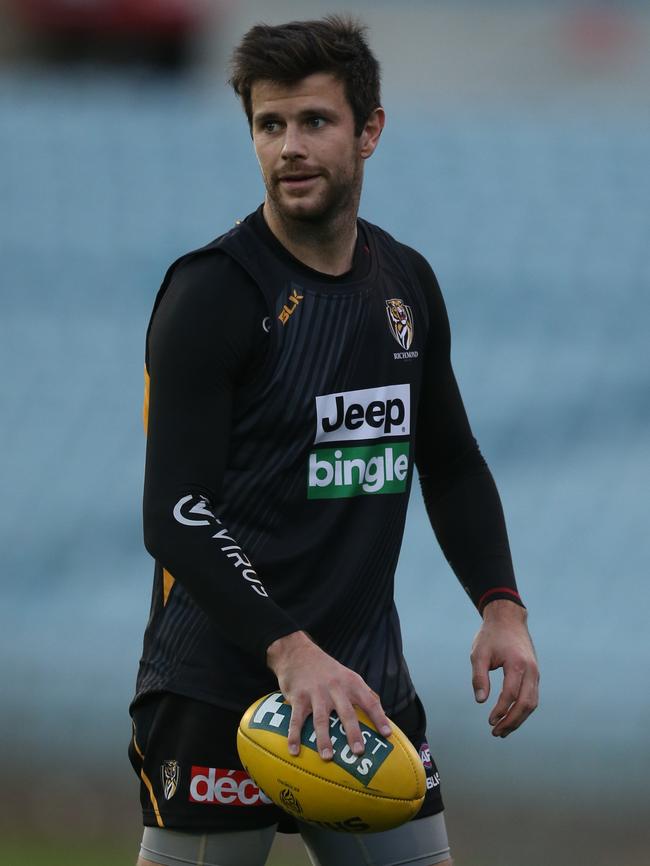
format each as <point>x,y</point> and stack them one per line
<point>378,790</point>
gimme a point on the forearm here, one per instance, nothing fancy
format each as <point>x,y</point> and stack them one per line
<point>203,556</point>
<point>468,522</point>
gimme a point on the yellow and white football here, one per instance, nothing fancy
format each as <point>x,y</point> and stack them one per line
<point>378,790</point>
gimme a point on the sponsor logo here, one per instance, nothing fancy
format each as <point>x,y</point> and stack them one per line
<point>182,511</point>
<point>405,356</point>
<point>291,306</point>
<point>348,416</point>
<point>170,772</point>
<point>239,559</point>
<point>372,413</point>
<point>273,714</point>
<point>266,324</point>
<point>433,781</point>
<point>344,472</point>
<point>350,825</point>
<point>229,546</point>
<point>425,756</point>
<point>225,788</point>
<point>290,801</point>
<point>433,776</point>
<point>400,322</point>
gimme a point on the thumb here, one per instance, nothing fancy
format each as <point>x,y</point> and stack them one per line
<point>480,677</point>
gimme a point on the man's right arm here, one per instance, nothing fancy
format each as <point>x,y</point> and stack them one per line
<point>205,336</point>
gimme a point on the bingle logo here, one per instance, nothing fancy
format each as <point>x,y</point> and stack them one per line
<point>345,472</point>
<point>371,413</point>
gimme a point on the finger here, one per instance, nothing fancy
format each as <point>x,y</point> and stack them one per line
<point>516,716</point>
<point>350,723</point>
<point>480,675</point>
<point>522,708</point>
<point>371,705</point>
<point>299,712</point>
<point>512,681</point>
<point>321,717</point>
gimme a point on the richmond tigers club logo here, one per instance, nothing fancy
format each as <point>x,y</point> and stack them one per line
<point>400,321</point>
<point>170,772</point>
<point>289,801</point>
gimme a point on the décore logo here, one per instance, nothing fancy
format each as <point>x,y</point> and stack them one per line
<point>368,414</point>
<point>225,787</point>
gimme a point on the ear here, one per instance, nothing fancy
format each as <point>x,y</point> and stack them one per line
<point>369,138</point>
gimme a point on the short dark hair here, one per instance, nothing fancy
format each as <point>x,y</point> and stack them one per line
<point>287,53</point>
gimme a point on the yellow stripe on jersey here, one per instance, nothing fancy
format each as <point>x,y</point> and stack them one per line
<point>168,583</point>
<point>168,579</point>
<point>135,744</point>
<point>145,405</point>
<point>147,782</point>
<point>152,797</point>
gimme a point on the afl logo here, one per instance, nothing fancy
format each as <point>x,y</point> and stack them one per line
<point>170,773</point>
<point>425,756</point>
<point>400,321</point>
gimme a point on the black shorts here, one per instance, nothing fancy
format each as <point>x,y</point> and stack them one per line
<point>184,752</point>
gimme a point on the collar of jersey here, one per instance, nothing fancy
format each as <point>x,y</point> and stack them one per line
<point>363,264</point>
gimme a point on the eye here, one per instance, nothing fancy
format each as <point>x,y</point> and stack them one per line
<point>270,126</point>
<point>316,122</point>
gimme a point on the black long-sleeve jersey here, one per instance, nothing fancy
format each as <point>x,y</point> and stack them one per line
<point>285,411</point>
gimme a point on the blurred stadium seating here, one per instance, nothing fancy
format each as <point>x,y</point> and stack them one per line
<point>533,209</point>
<point>123,30</point>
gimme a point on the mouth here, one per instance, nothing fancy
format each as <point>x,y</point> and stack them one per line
<point>297,181</point>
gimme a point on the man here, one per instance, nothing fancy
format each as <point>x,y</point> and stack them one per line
<point>299,366</point>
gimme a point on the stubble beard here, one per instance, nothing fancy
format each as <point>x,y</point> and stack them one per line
<point>335,208</point>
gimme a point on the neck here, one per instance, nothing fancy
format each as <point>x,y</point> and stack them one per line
<point>325,247</point>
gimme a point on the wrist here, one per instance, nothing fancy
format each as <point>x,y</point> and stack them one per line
<point>284,647</point>
<point>499,593</point>
<point>505,610</point>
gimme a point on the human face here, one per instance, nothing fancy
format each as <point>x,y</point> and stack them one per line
<point>311,160</point>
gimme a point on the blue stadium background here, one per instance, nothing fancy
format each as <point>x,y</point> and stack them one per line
<point>535,218</point>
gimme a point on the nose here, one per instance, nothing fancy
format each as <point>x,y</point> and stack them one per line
<point>294,145</point>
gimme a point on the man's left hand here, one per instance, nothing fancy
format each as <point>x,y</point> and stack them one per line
<point>503,641</point>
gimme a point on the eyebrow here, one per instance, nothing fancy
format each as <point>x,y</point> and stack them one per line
<point>304,114</point>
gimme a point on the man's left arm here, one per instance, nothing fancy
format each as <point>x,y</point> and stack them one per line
<point>503,641</point>
<point>465,511</point>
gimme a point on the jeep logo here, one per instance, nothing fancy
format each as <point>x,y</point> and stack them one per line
<point>372,413</point>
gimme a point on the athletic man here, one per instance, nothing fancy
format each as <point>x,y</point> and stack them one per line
<point>299,368</point>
